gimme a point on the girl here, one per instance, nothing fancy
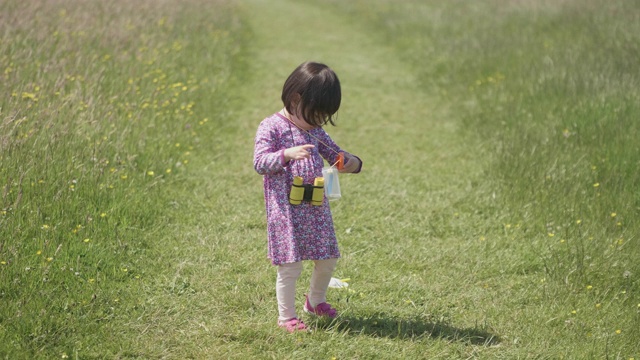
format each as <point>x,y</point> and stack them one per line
<point>288,144</point>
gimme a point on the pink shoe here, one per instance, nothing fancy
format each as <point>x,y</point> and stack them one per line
<point>293,325</point>
<point>322,309</point>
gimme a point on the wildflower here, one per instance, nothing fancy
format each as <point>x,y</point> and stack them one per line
<point>578,222</point>
<point>123,177</point>
<point>86,240</point>
<point>44,227</point>
<point>150,173</point>
<point>49,259</point>
<point>3,262</point>
<point>91,281</point>
<point>613,214</point>
<point>598,305</point>
<point>589,287</point>
<point>29,96</point>
<point>39,252</point>
<point>618,331</point>
<point>574,312</point>
<point>103,215</point>
<point>551,234</point>
<point>168,171</point>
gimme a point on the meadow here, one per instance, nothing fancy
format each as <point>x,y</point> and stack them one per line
<point>496,216</point>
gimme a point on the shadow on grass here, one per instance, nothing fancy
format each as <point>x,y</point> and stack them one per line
<point>381,325</point>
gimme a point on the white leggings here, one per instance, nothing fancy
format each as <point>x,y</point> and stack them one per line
<point>288,274</point>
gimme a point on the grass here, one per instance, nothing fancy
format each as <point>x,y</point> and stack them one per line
<point>495,216</point>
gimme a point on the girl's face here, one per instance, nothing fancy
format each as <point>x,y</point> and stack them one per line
<point>301,123</point>
<point>299,120</point>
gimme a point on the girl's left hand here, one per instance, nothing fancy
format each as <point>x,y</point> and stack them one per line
<point>351,163</point>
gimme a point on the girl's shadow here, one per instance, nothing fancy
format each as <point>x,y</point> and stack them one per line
<point>381,325</point>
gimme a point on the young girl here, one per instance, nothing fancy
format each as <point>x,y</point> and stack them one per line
<point>288,144</point>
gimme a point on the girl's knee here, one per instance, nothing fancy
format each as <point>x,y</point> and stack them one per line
<point>327,265</point>
<point>291,270</point>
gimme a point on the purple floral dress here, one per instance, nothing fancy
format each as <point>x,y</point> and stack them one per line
<point>295,232</point>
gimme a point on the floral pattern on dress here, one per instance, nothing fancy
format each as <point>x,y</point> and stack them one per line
<point>294,232</point>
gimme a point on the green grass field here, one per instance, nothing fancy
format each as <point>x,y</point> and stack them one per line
<point>496,216</point>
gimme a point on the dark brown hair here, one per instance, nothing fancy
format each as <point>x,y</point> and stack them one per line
<point>312,91</point>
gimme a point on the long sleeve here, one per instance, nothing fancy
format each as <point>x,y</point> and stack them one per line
<point>267,157</point>
<point>329,150</point>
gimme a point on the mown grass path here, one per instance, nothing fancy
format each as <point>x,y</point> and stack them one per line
<point>416,168</point>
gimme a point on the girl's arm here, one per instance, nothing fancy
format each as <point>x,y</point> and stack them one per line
<point>329,151</point>
<point>267,158</point>
<point>352,164</point>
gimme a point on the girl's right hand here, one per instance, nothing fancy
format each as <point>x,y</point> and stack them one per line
<point>298,152</point>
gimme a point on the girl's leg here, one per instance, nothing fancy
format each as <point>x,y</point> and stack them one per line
<point>320,279</point>
<point>288,274</point>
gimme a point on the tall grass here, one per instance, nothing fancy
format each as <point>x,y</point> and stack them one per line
<point>101,110</point>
